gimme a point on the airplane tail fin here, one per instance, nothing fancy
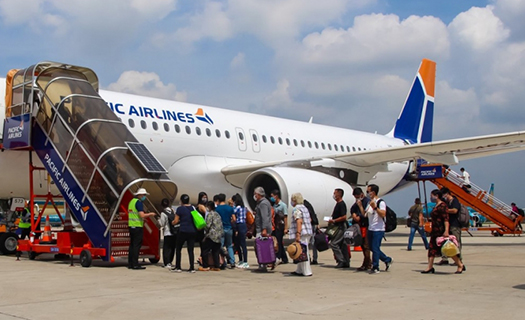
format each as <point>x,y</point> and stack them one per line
<point>415,121</point>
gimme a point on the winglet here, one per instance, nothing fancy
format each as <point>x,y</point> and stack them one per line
<point>415,122</point>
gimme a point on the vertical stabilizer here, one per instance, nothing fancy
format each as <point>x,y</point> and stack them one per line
<point>414,124</point>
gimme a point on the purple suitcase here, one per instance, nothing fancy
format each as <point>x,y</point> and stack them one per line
<point>264,250</point>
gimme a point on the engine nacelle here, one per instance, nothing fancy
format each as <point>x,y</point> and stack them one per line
<point>316,187</point>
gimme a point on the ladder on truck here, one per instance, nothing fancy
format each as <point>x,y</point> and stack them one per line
<point>54,110</point>
<point>478,199</point>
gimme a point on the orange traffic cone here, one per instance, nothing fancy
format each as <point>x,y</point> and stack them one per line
<point>46,235</point>
<point>68,226</point>
<point>358,248</point>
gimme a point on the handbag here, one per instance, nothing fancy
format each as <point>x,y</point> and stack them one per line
<point>303,256</point>
<point>198,219</point>
<point>331,231</point>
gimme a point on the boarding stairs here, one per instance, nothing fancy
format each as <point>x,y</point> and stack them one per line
<point>55,111</point>
<point>482,201</point>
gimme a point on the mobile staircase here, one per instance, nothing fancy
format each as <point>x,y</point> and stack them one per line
<point>478,199</point>
<point>54,110</point>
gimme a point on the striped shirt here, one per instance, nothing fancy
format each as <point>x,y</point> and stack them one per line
<point>240,214</point>
<point>301,212</point>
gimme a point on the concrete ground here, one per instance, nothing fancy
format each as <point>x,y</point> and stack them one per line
<point>493,287</point>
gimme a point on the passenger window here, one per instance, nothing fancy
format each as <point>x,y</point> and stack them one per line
<point>272,139</point>
<point>302,143</point>
<point>131,123</point>
<point>347,149</point>
<point>310,144</point>
<point>188,130</point>
<point>143,124</point>
<point>166,127</point>
<point>241,136</point>
<point>335,147</point>
<point>208,132</point>
<point>342,148</point>
<point>254,137</point>
<point>353,149</point>
<point>322,145</point>
<point>359,148</point>
<point>287,141</point>
<point>264,138</point>
<point>177,128</point>
<point>155,126</point>
<point>218,133</point>
<point>316,145</point>
<point>329,147</point>
<point>198,130</point>
<point>280,140</point>
<point>227,134</point>
<point>295,142</point>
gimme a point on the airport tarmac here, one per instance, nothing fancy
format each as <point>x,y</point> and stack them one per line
<point>493,287</point>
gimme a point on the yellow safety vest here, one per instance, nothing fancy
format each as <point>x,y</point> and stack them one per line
<point>134,219</point>
<point>25,223</point>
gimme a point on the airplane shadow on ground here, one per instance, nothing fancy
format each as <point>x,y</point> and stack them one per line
<point>519,286</point>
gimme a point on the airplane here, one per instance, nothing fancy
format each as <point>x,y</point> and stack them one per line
<point>224,151</point>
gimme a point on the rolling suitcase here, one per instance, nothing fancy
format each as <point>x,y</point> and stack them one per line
<point>264,250</point>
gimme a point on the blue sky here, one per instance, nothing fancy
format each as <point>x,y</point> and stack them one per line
<point>346,63</point>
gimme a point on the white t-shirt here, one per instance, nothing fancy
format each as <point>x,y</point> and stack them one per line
<point>466,177</point>
<point>376,222</point>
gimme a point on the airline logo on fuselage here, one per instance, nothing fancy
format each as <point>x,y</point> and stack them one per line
<point>169,115</point>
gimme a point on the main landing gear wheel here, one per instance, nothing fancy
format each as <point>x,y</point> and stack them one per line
<point>86,258</point>
<point>8,243</point>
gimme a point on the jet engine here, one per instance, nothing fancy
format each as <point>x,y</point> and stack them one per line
<point>316,187</point>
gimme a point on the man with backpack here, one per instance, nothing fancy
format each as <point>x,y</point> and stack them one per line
<point>281,224</point>
<point>170,233</point>
<point>454,209</point>
<point>376,213</point>
<point>358,216</point>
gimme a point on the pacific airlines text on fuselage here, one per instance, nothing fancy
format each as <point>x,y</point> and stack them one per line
<point>169,115</point>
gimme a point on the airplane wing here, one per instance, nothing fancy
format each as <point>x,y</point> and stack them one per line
<point>446,152</point>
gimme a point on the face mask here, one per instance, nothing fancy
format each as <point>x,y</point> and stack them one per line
<point>255,197</point>
<point>142,198</point>
<point>334,197</point>
<point>433,200</point>
<point>292,203</point>
<point>272,199</point>
<point>204,200</point>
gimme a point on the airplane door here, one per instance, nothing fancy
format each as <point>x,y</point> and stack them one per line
<point>241,139</point>
<point>256,144</point>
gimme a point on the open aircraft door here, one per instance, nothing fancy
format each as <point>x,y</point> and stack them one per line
<point>241,139</point>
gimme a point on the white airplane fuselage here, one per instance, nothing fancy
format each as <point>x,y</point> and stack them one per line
<point>208,141</point>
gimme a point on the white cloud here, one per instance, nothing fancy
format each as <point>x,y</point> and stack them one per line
<point>147,84</point>
<point>238,61</point>
<point>478,28</point>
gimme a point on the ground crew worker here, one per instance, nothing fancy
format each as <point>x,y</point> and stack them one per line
<point>25,222</point>
<point>136,217</point>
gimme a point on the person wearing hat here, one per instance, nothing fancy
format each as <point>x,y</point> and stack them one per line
<point>301,231</point>
<point>136,217</point>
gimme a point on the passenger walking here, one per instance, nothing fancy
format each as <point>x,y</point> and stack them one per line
<point>263,218</point>
<point>466,180</point>
<point>240,238</point>
<point>417,222</point>
<point>136,217</point>
<point>201,208</point>
<point>359,215</point>
<point>376,212</point>
<point>454,210</point>
<point>227,217</point>
<point>187,233</point>
<point>281,224</point>
<point>301,231</point>
<point>338,219</point>
<point>440,227</point>
<point>212,238</point>
<point>170,231</point>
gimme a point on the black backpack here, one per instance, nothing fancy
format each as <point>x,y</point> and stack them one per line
<point>171,216</point>
<point>313,216</point>
<point>390,218</point>
<point>521,212</point>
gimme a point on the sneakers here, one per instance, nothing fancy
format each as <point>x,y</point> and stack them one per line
<point>388,264</point>
<point>243,265</point>
<point>191,271</point>
<point>277,262</point>
<point>204,269</point>
<point>168,266</point>
<point>374,271</point>
<point>176,270</point>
